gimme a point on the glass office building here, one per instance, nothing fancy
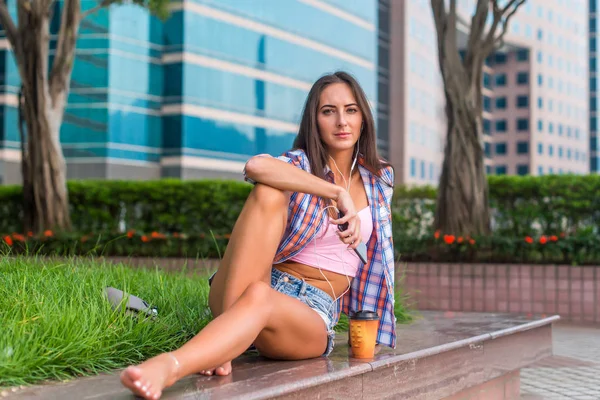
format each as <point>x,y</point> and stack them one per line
<point>198,94</point>
<point>593,89</point>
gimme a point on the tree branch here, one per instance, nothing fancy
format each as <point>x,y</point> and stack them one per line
<point>65,48</point>
<point>8,24</point>
<point>499,17</point>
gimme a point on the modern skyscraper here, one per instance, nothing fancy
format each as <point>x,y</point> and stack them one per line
<point>197,95</point>
<point>593,88</point>
<point>535,92</point>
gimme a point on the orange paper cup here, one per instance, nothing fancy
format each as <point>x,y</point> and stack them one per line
<point>363,333</point>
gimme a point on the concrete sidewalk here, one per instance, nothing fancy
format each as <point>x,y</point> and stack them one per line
<point>574,370</point>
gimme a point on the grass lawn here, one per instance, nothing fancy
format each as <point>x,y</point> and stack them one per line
<point>56,324</point>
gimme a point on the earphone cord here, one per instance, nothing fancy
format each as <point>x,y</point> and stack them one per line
<point>348,183</point>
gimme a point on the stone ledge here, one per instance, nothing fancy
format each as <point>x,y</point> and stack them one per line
<point>440,355</point>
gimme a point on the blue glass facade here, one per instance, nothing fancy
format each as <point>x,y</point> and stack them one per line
<point>217,82</point>
<point>593,86</point>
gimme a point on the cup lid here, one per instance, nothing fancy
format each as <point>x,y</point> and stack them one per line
<point>364,315</point>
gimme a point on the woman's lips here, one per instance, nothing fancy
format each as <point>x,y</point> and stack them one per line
<point>343,135</point>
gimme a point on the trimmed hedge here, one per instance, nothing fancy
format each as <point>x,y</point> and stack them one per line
<point>194,218</point>
<point>167,205</point>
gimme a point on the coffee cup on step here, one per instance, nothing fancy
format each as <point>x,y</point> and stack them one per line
<point>363,333</point>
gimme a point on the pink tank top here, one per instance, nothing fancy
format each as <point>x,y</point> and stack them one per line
<point>331,253</point>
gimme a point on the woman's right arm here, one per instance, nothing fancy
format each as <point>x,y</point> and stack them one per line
<point>287,177</point>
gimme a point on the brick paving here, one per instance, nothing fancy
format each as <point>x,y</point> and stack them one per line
<point>574,370</point>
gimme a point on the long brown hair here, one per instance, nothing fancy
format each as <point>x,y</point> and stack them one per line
<point>310,141</point>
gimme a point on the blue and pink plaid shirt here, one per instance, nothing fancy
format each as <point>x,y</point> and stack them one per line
<point>373,286</point>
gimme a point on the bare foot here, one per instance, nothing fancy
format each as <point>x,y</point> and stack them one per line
<point>223,370</point>
<point>150,378</point>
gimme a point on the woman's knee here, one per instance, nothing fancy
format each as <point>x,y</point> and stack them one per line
<point>270,197</point>
<point>258,293</point>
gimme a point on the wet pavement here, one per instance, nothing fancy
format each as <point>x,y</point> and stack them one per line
<point>574,370</point>
<point>476,346</point>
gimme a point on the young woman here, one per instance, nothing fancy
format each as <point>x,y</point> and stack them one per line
<point>288,270</point>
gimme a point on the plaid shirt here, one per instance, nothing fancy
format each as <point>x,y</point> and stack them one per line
<point>372,288</point>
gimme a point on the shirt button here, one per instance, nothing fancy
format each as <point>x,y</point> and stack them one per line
<point>286,279</point>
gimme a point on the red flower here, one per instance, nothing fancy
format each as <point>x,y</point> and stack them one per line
<point>553,238</point>
<point>436,234</point>
<point>145,238</point>
<point>48,233</point>
<point>30,234</point>
<point>562,234</point>
<point>156,235</point>
<point>130,233</point>
<point>18,237</point>
<point>472,241</point>
<point>176,234</point>
<point>84,238</point>
<point>449,239</point>
<point>529,239</point>
<point>543,240</point>
<point>460,239</point>
<point>8,240</point>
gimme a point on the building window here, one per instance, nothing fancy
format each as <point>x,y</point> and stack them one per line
<point>422,169</point>
<point>592,25</point>
<point>593,65</point>
<point>550,128</point>
<point>522,124</point>
<point>501,125</point>
<point>550,150</point>
<point>500,103</point>
<point>522,169</point>
<point>487,81</point>
<point>560,130</point>
<point>560,152</point>
<point>487,104</point>
<point>592,44</point>
<point>500,148</point>
<point>540,125</point>
<point>540,80</point>
<point>522,147</point>
<point>540,148</point>
<point>500,169</point>
<point>539,56</point>
<point>500,58</point>
<point>487,149</point>
<point>488,169</point>
<point>413,168</point>
<point>487,126</point>
<point>540,103</point>
<point>568,154</point>
<point>540,170</point>
<point>500,79</point>
<point>523,55</point>
<point>522,101</point>
<point>522,78</point>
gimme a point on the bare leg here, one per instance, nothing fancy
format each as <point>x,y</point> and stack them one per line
<point>250,252</point>
<point>282,327</point>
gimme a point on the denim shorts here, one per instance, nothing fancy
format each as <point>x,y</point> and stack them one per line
<point>313,297</point>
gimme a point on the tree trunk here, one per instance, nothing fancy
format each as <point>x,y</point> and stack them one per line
<point>462,201</point>
<point>46,204</point>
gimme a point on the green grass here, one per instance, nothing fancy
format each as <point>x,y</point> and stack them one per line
<point>55,323</point>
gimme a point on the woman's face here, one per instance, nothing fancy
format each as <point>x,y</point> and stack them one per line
<point>339,118</point>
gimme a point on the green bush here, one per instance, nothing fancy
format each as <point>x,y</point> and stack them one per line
<point>205,211</point>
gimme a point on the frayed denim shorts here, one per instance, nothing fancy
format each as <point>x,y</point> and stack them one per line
<point>313,297</point>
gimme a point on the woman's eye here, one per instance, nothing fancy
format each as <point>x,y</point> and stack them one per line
<point>352,110</point>
<point>327,112</point>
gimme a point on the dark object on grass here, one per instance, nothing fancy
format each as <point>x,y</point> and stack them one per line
<point>134,305</point>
